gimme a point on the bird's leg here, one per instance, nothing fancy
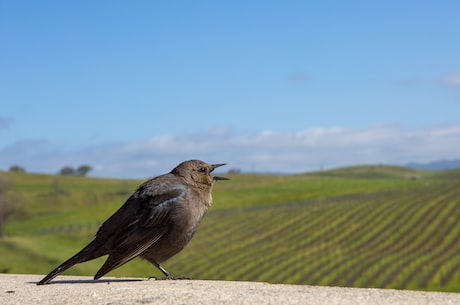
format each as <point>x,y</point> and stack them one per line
<point>164,271</point>
<point>168,276</point>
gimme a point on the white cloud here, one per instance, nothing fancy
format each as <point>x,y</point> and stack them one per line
<point>264,151</point>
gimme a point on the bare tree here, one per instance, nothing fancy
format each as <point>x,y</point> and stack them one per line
<point>7,206</point>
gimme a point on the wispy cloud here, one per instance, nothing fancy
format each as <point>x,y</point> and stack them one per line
<point>4,122</point>
<point>410,82</point>
<point>264,151</point>
<point>299,77</point>
<point>452,80</point>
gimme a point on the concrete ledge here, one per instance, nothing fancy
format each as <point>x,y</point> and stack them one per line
<point>21,289</point>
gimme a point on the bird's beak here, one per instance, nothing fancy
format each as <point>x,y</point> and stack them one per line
<point>214,166</point>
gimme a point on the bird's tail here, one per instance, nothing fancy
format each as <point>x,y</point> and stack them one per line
<point>84,255</point>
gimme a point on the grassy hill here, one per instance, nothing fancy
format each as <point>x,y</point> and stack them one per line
<point>369,226</point>
<point>374,171</point>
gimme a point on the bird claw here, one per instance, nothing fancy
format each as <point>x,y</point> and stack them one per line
<point>169,277</point>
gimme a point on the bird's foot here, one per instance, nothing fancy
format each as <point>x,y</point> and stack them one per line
<point>169,277</point>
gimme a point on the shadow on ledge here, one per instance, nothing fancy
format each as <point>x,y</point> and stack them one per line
<point>89,281</point>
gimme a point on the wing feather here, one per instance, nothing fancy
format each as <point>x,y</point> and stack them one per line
<point>139,223</point>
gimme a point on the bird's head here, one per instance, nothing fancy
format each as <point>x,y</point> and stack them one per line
<point>198,172</point>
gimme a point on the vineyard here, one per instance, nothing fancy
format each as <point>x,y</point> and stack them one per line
<point>386,239</point>
<point>385,227</point>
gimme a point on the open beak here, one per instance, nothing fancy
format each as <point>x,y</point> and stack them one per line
<point>214,166</point>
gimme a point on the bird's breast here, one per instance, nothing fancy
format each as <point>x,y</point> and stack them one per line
<point>183,223</point>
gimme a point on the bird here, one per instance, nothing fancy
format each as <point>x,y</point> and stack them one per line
<point>155,223</point>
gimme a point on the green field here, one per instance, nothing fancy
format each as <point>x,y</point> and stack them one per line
<point>365,226</point>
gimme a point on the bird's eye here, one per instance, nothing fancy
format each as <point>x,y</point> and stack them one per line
<point>203,169</point>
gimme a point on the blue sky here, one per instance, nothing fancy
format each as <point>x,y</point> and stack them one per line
<point>134,87</point>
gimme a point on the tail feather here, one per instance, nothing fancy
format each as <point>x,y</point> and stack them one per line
<point>84,255</point>
<point>111,263</point>
<point>108,266</point>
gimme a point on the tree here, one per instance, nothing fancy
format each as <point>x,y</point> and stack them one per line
<point>234,171</point>
<point>67,171</point>
<point>83,170</point>
<point>17,168</point>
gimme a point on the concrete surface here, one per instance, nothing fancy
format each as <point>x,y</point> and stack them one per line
<point>21,289</point>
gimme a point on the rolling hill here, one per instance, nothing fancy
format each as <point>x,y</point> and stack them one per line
<point>365,226</point>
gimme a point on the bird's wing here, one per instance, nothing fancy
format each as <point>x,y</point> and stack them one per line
<point>141,221</point>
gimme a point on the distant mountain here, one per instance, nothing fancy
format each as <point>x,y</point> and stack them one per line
<point>436,165</point>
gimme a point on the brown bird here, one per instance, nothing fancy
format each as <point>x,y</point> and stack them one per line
<point>155,223</point>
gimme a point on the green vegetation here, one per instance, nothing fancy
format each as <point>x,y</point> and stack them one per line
<point>367,226</point>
